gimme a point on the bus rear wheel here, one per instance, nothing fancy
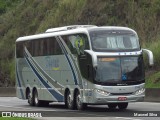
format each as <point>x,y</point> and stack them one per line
<point>122,106</point>
<point>30,99</point>
<point>69,102</point>
<point>36,100</point>
<point>79,104</point>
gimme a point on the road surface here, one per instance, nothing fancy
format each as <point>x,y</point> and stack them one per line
<point>59,112</point>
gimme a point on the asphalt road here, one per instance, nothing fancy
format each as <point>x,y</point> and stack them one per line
<point>59,112</point>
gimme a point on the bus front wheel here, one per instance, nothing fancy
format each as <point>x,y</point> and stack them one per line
<point>112,105</point>
<point>79,104</point>
<point>122,106</point>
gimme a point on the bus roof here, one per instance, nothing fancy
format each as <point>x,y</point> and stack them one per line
<point>71,30</point>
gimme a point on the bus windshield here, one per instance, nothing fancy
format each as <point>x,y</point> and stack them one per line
<point>119,70</point>
<point>104,40</point>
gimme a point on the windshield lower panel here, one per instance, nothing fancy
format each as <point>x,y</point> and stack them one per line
<point>120,71</point>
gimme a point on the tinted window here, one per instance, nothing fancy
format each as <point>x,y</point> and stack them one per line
<point>77,43</point>
<point>114,40</point>
<point>39,47</point>
<point>46,46</point>
<point>19,50</point>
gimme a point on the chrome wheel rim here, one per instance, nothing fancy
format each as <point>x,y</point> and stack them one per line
<point>29,97</point>
<point>36,99</point>
<point>79,101</point>
<point>69,101</point>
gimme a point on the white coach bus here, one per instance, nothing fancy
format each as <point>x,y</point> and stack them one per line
<point>81,65</point>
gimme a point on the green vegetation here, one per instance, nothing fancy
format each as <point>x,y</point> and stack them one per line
<point>26,17</point>
<point>153,81</point>
<point>7,4</point>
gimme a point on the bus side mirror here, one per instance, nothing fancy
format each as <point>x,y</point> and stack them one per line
<point>150,56</point>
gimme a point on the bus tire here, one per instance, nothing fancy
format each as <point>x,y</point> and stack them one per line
<point>37,102</point>
<point>78,100</point>
<point>112,105</point>
<point>69,102</point>
<point>122,106</point>
<point>30,99</point>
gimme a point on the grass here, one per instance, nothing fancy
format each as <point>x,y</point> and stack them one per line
<point>153,80</point>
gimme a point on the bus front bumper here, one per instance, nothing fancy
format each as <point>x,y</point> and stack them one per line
<point>118,99</point>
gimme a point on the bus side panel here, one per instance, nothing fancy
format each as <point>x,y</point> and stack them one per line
<point>50,70</point>
<point>20,80</point>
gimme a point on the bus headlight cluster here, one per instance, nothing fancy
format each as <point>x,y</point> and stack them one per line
<point>140,91</point>
<point>102,92</point>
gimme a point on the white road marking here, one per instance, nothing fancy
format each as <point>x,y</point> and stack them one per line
<point>153,103</point>
<point>126,118</point>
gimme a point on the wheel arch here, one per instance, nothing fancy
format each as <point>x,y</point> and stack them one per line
<point>75,91</point>
<point>27,92</point>
<point>34,88</point>
<point>65,93</point>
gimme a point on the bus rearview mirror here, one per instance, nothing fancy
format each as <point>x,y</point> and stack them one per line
<point>150,56</point>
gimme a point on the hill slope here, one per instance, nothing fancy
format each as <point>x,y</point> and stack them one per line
<point>25,17</point>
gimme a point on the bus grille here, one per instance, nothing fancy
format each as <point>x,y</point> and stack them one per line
<point>122,93</point>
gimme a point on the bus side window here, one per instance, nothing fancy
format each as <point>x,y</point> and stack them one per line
<point>51,47</point>
<point>77,43</point>
<point>19,51</point>
<point>41,47</point>
<point>57,49</point>
<point>69,44</point>
<point>85,40</point>
<point>28,45</point>
<point>35,47</point>
<point>44,47</point>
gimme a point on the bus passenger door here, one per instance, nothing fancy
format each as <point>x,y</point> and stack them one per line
<point>85,65</point>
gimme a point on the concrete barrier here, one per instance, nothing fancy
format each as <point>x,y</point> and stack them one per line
<point>7,92</point>
<point>152,94</point>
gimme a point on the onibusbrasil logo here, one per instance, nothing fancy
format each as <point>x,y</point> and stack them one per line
<point>21,114</point>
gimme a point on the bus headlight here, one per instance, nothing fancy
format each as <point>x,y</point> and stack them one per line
<point>102,92</point>
<point>140,91</point>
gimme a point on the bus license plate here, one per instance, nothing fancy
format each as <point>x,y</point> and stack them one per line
<point>122,98</point>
